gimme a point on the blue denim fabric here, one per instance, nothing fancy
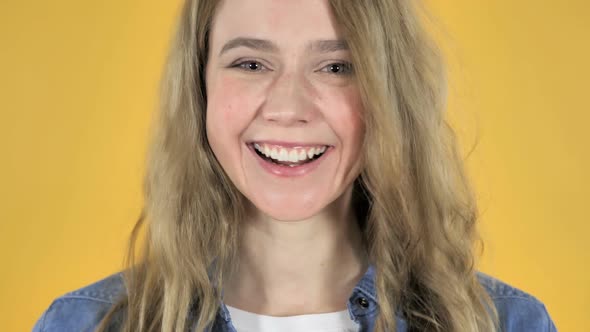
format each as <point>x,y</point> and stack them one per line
<point>83,309</point>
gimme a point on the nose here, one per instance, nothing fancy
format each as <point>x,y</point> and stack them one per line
<point>288,101</point>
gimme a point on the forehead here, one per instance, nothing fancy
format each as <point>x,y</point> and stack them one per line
<point>288,23</point>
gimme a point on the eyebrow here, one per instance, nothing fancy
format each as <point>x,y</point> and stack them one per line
<point>327,46</point>
<point>253,43</point>
<point>319,46</point>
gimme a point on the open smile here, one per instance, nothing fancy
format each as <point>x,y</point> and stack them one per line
<point>289,159</point>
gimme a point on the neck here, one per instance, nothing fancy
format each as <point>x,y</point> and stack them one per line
<point>298,267</point>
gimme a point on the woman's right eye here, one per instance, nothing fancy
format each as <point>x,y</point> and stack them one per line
<point>250,65</point>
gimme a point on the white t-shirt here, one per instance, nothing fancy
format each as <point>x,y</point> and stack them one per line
<point>339,321</point>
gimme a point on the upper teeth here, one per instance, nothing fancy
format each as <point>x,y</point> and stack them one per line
<point>289,154</point>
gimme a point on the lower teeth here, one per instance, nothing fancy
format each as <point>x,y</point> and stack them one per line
<point>288,163</point>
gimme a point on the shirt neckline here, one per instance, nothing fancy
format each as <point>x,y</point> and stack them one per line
<point>331,321</point>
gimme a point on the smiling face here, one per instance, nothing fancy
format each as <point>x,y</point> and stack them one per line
<point>283,108</point>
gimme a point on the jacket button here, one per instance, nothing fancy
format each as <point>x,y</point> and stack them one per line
<point>363,302</point>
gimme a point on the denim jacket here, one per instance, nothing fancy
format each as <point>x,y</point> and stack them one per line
<point>83,309</point>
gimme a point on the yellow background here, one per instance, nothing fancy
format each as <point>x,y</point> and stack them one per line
<point>78,83</point>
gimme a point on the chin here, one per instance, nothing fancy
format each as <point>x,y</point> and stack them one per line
<point>288,216</point>
<point>288,209</point>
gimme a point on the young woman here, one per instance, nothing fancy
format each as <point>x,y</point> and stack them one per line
<point>302,177</point>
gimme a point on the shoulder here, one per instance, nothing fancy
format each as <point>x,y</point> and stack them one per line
<point>82,309</point>
<point>517,310</point>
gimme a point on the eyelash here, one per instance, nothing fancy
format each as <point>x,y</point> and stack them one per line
<point>347,66</point>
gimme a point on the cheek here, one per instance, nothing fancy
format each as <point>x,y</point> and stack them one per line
<point>228,111</point>
<point>345,114</point>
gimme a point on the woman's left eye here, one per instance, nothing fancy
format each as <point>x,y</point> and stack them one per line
<point>338,68</point>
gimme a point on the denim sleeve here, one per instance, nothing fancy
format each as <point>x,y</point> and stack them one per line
<point>522,314</point>
<point>72,314</point>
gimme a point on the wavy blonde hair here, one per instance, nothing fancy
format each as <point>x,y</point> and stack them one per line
<point>413,199</point>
